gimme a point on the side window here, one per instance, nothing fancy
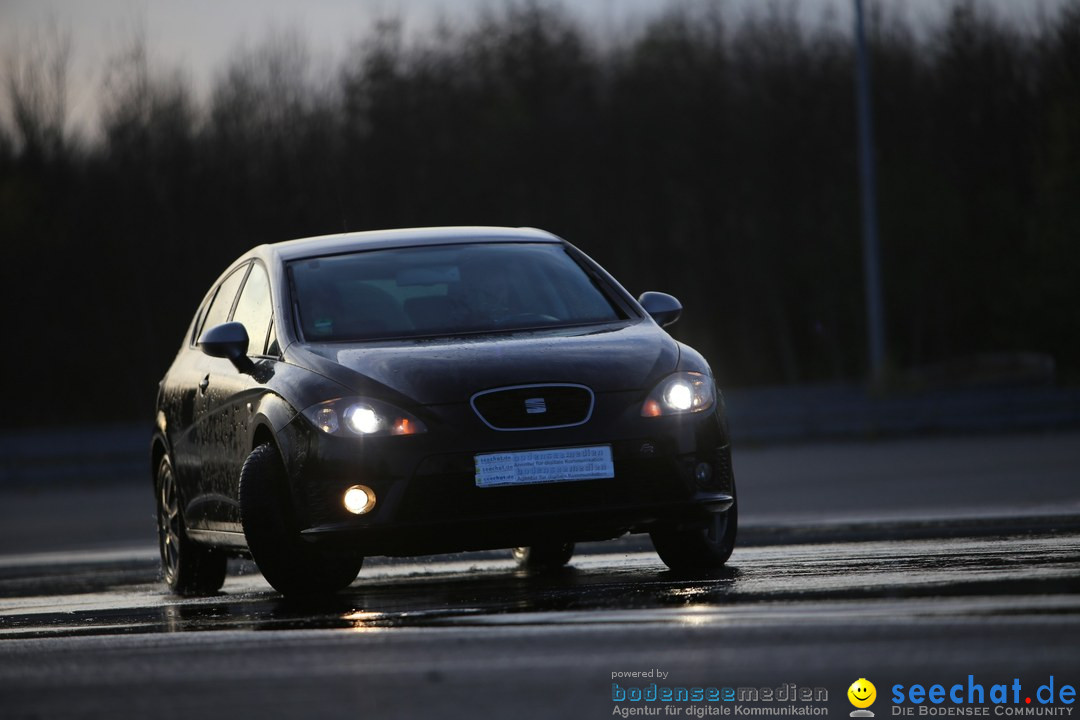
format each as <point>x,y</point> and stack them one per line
<point>196,327</point>
<point>223,300</point>
<point>272,347</point>
<point>253,309</point>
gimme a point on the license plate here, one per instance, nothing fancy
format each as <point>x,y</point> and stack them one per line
<point>534,467</point>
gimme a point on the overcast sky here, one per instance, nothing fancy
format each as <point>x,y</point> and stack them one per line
<point>199,35</point>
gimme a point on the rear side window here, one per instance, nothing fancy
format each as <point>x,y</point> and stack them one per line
<point>253,309</point>
<point>223,300</point>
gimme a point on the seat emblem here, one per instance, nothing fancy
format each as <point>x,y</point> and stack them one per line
<point>535,406</point>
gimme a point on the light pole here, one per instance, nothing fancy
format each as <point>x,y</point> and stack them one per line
<point>875,313</point>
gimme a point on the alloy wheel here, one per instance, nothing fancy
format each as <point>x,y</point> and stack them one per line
<point>168,523</point>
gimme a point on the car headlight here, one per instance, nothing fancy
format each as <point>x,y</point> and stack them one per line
<point>363,417</point>
<point>685,392</point>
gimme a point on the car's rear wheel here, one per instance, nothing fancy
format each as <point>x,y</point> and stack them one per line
<point>291,565</point>
<point>187,567</point>
<point>705,548</point>
<point>546,556</point>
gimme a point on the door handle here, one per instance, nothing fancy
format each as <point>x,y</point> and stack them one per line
<point>204,384</point>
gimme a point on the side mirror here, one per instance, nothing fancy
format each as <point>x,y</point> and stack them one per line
<point>228,340</point>
<point>663,308</point>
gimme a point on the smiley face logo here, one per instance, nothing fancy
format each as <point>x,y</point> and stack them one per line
<point>862,693</point>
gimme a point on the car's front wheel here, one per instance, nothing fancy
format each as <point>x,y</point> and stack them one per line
<point>291,565</point>
<point>546,556</point>
<point>187,567</point>
<point>705,548</point>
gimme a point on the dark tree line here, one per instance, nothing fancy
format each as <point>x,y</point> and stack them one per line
<point>709,159</point>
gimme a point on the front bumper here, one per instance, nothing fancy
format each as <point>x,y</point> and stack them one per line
<point>428,501</point>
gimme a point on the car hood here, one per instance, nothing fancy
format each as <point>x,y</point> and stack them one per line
<point>451,370</point>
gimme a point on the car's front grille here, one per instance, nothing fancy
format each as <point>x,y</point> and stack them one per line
<point>721,477</point>
<point>532,407</point>
<point>445,488</point>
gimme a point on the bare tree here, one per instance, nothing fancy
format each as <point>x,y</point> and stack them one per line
<point>36,81</point>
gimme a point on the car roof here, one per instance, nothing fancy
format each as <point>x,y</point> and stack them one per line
<point>407,237</point>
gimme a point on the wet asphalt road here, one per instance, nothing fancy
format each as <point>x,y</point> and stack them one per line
<point>470,636</point>
<point>837,579</point>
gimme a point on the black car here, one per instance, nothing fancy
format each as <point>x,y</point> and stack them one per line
<point>412,392</point>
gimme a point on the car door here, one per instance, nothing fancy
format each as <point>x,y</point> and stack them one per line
<point>204,484</point>
<point>230,402</point>
<point>178,392</point>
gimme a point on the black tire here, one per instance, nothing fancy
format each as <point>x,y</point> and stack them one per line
<point>700,548</point>
<point>187,567</point>
<point>546,556</point>
<point>294,568</point>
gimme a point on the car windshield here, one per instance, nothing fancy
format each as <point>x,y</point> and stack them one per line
<point>444,290</point>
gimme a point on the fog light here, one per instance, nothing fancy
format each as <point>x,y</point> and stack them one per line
<point>359,499</point>
<point>703,472</point>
